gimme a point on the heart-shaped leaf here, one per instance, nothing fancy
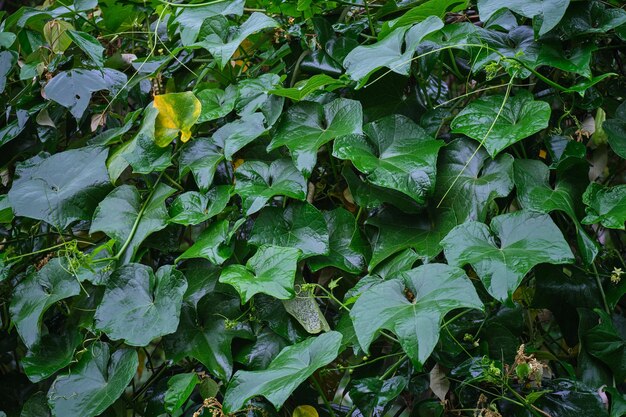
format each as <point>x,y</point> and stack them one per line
<point>348,249</point>
<point>395,51</point>
<point>178,112</point>
<point>616,131</point>
<point>257,183</point>
<point>271,271</point>
<point>61,188</point>
<point>36,293</point>
<point>413,307</point>
<point>179,388</point>
<point>216,103</point>
<point>122,212</point>
<point>548,14</point>
<point>139,305</point>
<point>193,208</point>
<point>201,157</point>
<point>299,226</point>
<point>308,125</point>
<point>214,243</point>
<point>232,137</point>
<point>498,123</point>
<point>394,153</point>
<point>605,205</point>
<point>94,383</point>
<point>524,239</point>
<point>371,395</point>
<point>288,370</point>
<point>206,331</point>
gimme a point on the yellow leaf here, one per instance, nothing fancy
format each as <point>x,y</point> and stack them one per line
<point>304,411</point>
<point>178,112</point>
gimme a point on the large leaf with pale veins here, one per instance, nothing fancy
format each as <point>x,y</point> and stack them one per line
<point>271,270</point>
<point>308,125</point>
<point>122,208</point>
<point>204,334</point>
<point>94,383</point>
<point>468,180</point>
<point>413,307</point>
<point>520,117</point>
<point>139,305</point>
<point>257,182</point>
<point>293,365</point>
<point>548,13</point>
<point>395,153</point>
<point>61,188</point>
<point>504,253</point>
<point>299,226</point>
<point>36,293</point>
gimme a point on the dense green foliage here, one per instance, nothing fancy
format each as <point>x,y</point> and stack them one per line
<point>408,208</point>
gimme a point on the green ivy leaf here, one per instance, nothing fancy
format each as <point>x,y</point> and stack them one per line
<point>605,343</point>
<point>50,354</point>
<point>468,180</point>
<point>395,51</point>
<point>138,305</point>
<point>305,87</point>
<point>216,103</point>
<point>371,395</point>
<point>123,211</point>
<point>254,95</point>
<point>521,116</point>
<point>299,226</point>
<point>616,131</point>
<point>308,125</point>
<point>190,19</point>
<point>214,243</point>
<point>179,388</point>
<point>288,370</point>
<point>193,208</point>
<point>94,383</point>
<point>36,293</point>
<point>61,188</point>
<point>590,18</point>
<point>89,45</point>
<point>206,331</point>
<point>605,205</point>
<point>257,182</point>
<point>395,153</point>
<point>546,14</point>
<point>348,249</point>
<point>413,307</point>
<point>72,89</point>
<point>271,271</point>
<point>200,157</point>
<point>524,240</point>
<point>222,42</point>
<point>234,136</point>
<point>36,406</point>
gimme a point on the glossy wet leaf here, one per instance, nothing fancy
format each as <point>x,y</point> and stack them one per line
<point>257,182</point>
<point>299,226</point>
<point>73,89</point>
<point>234,136</point>
<point>254,96</point>
<point>615,128</point>
<point>395,153</point>
<point>7,61</point>
<point>524,239</point>
<point>468,180</point>
<point>36,406</point>
<point>221,42</point>
<point>307,126</point>
<point>139,305</point>
<point>90,386</point>
<point>206,331</point>
<point>50,354</point>
<point>591,17</point>
<point>605,205</point>
<point>190,19</point>
<point>36,293</point>
<point>371,395</point>
<point>216,103</point>
<point>288,370</point>
<point>201,157</point>
<point>90,46</point>
<point>412,307</point>
<point>348,248</point>
<point>123,208</point>
<point>62,188</point>
<point>521,117</point>
<point>214,243</point>
<point>193,207</point>
<point>605,343</point>
<point>179,388</point>
<point>547,13</point>
<point>394,51</point>
<point>271,270</point>
<point>178,112</point>
<point>305,87</point>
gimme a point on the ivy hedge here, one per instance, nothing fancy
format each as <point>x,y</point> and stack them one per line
<point>403,208</point>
